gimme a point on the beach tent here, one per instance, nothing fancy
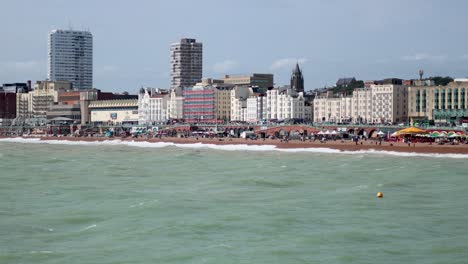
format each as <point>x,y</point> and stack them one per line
<point>333,132</point>
<point>453,135</point>
<point>320,133</point>
<point>411,131</point>
<point>443,134</point>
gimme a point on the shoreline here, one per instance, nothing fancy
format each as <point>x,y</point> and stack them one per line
<point>342,146</point>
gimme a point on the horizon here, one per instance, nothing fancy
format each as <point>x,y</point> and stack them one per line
<point>357,40</point>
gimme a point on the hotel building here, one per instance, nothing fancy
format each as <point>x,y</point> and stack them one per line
<point>440,104</point>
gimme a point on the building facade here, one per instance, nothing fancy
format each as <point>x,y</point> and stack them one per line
<point>8,96</point>
<point>328,108</point>
<point>239,96</point>
<point>283,104</point>
<point>362,105</point>
<point>71,58</point>
<point>152,106</point>
<point>223,101</point>
<point>255,108</point>
<point>67,111</point>
<point>114,112</point>
<point>199,104</point>
<point>37,102</point>
<point>389,104</point>
<point>261,80</point>
<point>186,63</point>
<point>439,104</point>
<point>379,104</point>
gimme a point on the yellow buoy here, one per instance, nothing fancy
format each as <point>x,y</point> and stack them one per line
<point>379,195</point>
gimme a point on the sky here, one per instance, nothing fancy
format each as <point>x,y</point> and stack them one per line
<point>366,39</point>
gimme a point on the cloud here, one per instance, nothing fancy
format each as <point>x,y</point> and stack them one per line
<point>225,66</point>
<point>286,63</point>
<point>423,56</point>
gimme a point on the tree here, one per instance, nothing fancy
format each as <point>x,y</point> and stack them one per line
<point>442,81</point>
<point>348,89</point>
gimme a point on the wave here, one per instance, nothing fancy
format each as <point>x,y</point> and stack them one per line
<point>233,147</point>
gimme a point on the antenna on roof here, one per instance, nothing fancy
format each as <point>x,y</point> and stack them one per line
<point>421,73</point>
<point>70,24</point>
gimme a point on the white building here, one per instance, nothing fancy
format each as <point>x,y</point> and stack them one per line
<point>255,107</point>
<point>152,106</point>
<point>284,104</point>
<point>389,103</point>
<point>332,109</point>
<point>175,104</point>
<point>382,104</point>
<point>362,105</point>
<point>239,95</point>
<point>71,58</point>
<point>186,63</point>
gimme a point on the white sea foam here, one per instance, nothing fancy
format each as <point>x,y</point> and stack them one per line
<point>233,147</point>
<point>88,227</point>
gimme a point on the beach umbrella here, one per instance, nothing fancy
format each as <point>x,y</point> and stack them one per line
<point>434,134</point>
<point>380,134</point>
<point>411,131</point>
<point>320,133</point>
<point>333,132</point>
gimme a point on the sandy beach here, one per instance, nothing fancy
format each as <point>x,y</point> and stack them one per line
<point>344,145</point>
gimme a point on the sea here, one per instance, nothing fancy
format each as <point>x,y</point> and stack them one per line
<point>136,202</point>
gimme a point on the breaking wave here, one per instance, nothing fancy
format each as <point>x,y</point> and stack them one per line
<point>232,147</point>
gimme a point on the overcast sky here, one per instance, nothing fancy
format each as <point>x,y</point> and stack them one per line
<point>368,39</point>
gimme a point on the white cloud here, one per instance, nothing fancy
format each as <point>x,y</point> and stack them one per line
<point>423,56</point>
<point>286,63</point>
<point>225,66</point>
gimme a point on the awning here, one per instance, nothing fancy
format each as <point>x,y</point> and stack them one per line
<point>411,131</point>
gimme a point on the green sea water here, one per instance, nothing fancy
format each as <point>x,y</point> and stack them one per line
<point>123,204</point>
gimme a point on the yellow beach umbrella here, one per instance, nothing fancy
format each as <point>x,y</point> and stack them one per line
<point>411,131</point>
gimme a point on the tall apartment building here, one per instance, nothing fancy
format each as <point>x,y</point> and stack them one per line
<point>186,63</point>
<point>70,58</point>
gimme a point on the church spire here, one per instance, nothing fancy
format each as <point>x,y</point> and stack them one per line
<point>297,80</point>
